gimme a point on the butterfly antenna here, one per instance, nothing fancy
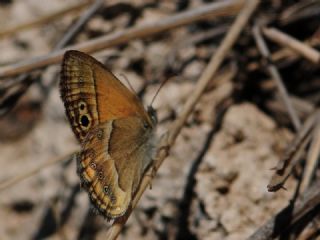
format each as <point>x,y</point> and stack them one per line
<point>132,89</point>
<point>162,84</point>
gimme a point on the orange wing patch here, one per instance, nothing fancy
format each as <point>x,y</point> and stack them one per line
<point>92,94</point>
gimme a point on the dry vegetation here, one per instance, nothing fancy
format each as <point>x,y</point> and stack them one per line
<point>241,98</point>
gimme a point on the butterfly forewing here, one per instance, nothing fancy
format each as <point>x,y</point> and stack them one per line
<point>92,94</point>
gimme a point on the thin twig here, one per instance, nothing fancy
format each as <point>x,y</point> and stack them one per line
<point>285,40</point>
<point>29,173</point>
<point>292,155</point>
<point>313,156</point>
<point>45,19</point>
<point>276,76</point>
<point>311,231</point>
<point>286,54</point>
<point>176,127</point>
<point>222,8</point>
<point>75,28</point>
<point>299,11</point>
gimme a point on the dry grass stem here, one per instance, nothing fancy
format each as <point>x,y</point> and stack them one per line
<point>285,40</point>
<point>274,73</point>
<point>224,8</point>
<point>285,54</point>
<point>313,156</point>
<point>292,155</point>
<point>75,28</point>
<point>43,20</point>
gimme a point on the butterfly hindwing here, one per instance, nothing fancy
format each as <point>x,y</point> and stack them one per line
<point>114,156</point>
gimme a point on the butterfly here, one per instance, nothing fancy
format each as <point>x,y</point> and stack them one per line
<point>115,131</point>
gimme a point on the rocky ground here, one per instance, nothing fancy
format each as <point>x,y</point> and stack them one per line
<point>214,183</point>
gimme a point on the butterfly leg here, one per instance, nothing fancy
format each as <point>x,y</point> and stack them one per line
<point>151,174</point>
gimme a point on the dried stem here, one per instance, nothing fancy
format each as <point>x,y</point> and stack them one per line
<point>222,8</point>
<point>287,41</point>
<point>42,20</point>
<point>286,54</point>
<point>205,78</point>
<point>78,25</point>
<point>293,154</point>
<point>274,73</point>
<point>313,156</point>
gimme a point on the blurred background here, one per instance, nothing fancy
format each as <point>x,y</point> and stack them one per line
<point>214,183</point>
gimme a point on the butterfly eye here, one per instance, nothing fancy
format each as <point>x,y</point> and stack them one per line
<point>145,125</point>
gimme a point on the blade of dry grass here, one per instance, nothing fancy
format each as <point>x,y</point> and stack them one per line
<point>75,28</point>
<point>286,53</point>
<point>222,8</point>
<point>292,155</point>
<point>274,73</point>
<point>285,40</point>
<point>313,156</point>
<point>168,140</point>
<point>44,19</point>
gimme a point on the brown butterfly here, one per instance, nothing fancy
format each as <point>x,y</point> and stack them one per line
<point>113,128</point>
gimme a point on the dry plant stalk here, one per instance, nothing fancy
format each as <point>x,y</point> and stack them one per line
<point>286,53</point>
<point>287,41</point>
<point>274,73</point>
<point>42,20</point>
<point>168,139</point>
<point>313,155</point>
<point>293,154</point>
<point>296,149</point>
<point>223,8</point>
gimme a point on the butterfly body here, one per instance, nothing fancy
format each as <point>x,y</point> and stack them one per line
<point>113,128</point>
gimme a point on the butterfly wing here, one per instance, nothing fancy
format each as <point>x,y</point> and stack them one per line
<point>113,128</point>
<point>114,156</point>
<point>92,94</point>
